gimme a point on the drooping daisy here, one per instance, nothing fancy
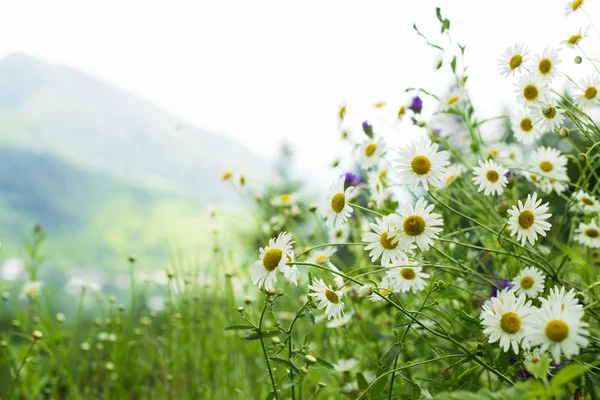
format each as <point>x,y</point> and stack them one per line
<point>378,191</point>
<point>339,235</point>
<point>339,280</point>
<point>386,288</point>
<point>529,282</point>
<point>384,243</point>
<point>573,6</point>
<point>272,258</point>
<point>511,155</point>
<point>555,328</point>
<point>525,130</point>
<point>407,278</point>
<point>530,89</point>
<point>416,224</point>
<point>370,152</point>
<point>588,95</point>
<point>286,199</point>
<point>453,172</point>
<point>546,63</point>
<point>573,40</point>
<point>31,289</point>
<point>338,210</point>
<point>513,59</point>
<point>421,162</point>
<point>322,255</point>
<point>586,202</point>
<point>588,234</point>
<point>529,219</point>
<point>345,365</point>
<point>290,271</point>
<point>505,319</point>
<point>547,116</point>
<point>327,298</point>
<point>490,177</point>
<point>454,99</point>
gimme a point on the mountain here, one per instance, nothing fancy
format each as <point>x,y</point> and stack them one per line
<point>56,110</point>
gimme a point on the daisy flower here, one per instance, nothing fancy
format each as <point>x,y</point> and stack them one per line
<point>586,202</point>
<point>565,299</point>
<point>588,234</point>
<point>547,116</point>
<point>529,219</point>
<point>556,328</point>
<point>589,92</point>
<point>378,192</point>
<point>272,258</point>
<point>290,271</point>
<point>454,99</point>
<point>421,162</point>
<point>416,224</point>
<point>339,280</point>
<point>505,319</point>
<point>322,255</point>
<point>530,89</point>
<point>550,168</point>
<point>386,288</point>
<point>573,6</point>
<point>339,235</point>
<point>384,243</point>
<point>574,39</point>
<point>327,298</point>
<point>345,365</point>
<point>546,62</point>
<point>337,210</point>
<point>407,279</point>
<point>525,130</point>
<point>338,323</point>
<point>490,177</point>
<point>370,152</point>
<point>31,289</point>
<point>513,59</point>
<point>284,200</point>
<point>453,172</point>
<point>510,155</point>
<point>529,282</point>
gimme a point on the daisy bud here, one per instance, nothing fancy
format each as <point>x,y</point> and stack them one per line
<point>310,359</point>
<point>582,157</point>
<point>5,296</point>
<point>578,60</point>
<point>109,366</point>
<point>60,317</point>
<point>170,273</point>
<point>247,300</point>
<point>365,290</point>
<point>304,370</point>
<point>564,132</point>
<point>36,319</point>
<point>121,307</point>
<point>270,299</point>
<point>280,292</point>
<point>131,259</point>
<point>312,208</point>
<point>368,129</point>
<point>85,346</point>
<point>107,321</point>
<point>271,291</point>
<point>99,346</point>
<point>37,335</point>
<point>275,340</point>
<point>240,309</point>
<point>112,299</point>
<point>16,323</point>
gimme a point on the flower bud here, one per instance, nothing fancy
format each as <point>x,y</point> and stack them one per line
<point>85,346</point>
<point>5,296</point>
<point>312,207</point>
<point>271,291</point>
<point>368,129</point>
<point>3,343</point>
<point>365,290</point>
<point>578,60</point>
<point>322,384</point>
<point>60,317</point>
<point>37,335</point>
<point>275,340</point>
<point>240,309</point>
<point>564,132</point>
<point>582,157</point>
<point>310,359</point>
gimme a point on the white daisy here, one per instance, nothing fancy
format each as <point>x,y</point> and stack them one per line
<point>272,258</point>
<point>529,282</point>
<point>573,6</point>
<point>327,298</point>
<point>290,271</point>
<point>588,234</point>
<point>338,323</point>
<point>370,151</point>
<point>454,99</point>
<point>557,328</point>
<point>505,319</point>
<point>550,169</point>
<point>573,40</point>
<point>525,130</point>
<point>421,162</point>
<point>453,172</point>
<point>513,59</point>
<point>286,199</point>
<point>547,116</point>
<point>378,191</point>
<point>407,278</point>
<point>416,224</point>
<point>384,243</point>
<point>339,281</point>
<point>530,89</point>
<point>510,155</point>
<point>31,289</point>
<point>339,235</point>
<point>491,177</point>
<point>567,300</point>
<point>588,94</point>
<point>386,288</point>
<point>337,209</point>
<point>345,365</point>
<point>529,219</point>
<point>546,63</point>
<point>322,255</point>
<point>586,202</point>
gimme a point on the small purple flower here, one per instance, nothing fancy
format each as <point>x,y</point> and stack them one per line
<point>437,131</point>
<point>511,174</point>
<point>416,105</point>
<point>352,180</point>
<point>368,129</point>
<point>502,285</point>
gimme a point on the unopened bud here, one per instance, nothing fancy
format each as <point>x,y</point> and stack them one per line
<point>322,384</point>
<point>312,207</point>
<point>304,370</point>
<point>121,307</point>
<point>582,157</point>
<point>578,60</point>
<point>368,129</point>
<point>310,359</point>
<point>60,317</point>
<point>280,292</point>
<point>131,259</point>
<point>5,296</point>
<point>271,291</point>
<point>275,340</point>
<point>247,300</point>
<point>85,346</point>
<point>3,343</point>
<point>37,335</point>
<point>112,299</point>
<point>564,132</point>
<point>240,309</point>
<point>365,290</point>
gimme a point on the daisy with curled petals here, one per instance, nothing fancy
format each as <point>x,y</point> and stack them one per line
<point>407,279</point>
<point>338,323</point>
<point>529,282</point>
<point>557,328</point>
<point>529,219</point>
<point>530,89</point>
<point>586,202</point>
<point>421,162</point>
<point>505,319</point>
<point>524,129</point>
<point>573,6</point>
<point>546,63</point>
<point>284,200</point>
<point>324,256</point>
<point>386,288</point>
<point>416,224</point>
<point>588,234</point>
<point>339,235</point>
<point>565,299</point>
<point>337,209</point>
<point>272,258</point>
<point>491,177</point>
<point>370,152</point>
<point>384,243</point>
<point>589,92</point>
<point>327,298</point>
<point>547,116</point>
<point>513,59</point>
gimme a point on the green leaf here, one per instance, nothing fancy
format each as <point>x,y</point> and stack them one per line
<point>462,49</point>
<point>464,316</point>
<point>362,382</point>
<point>270,396</point>
<point>567,374</point>
<point>502,361</point>
<point>264,334</point>
<point>324,363</point>
<point>287,363</point>
<point>238,327</point>
<point>389,357</point>
<point>453,64</point>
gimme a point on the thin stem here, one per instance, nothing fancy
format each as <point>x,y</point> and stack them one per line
<point>262,343</point>
<point>16,378</point>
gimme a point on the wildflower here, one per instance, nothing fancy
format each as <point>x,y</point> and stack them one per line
<point>365,290</point>
<point>490,177</point>
<point>416,105</point>
<point>564,298</point>
<point>529,219</point>
<point>530,89</point>
<point>327,298</point>
<point>401,111</point>
<point>226,175</point>
<point>547,116</point>
<point>546,63</point>
<point>384,243</point>
<point>573,6</point>
<point>589,92</point>
<point>505,319</point>
<point>351,179</point>
<point>524,129</point>
<point>502,285</point>
<point>290,271</point>
<point>367,129</point>
<point>588,234</point>
<point>339,235</point>
<point>31,289</point>
<point>272,258</point>
<point>37,335</point>
<point>370,152</point>
<point>407,279</point>
<point>283,200</point>
<point>586,202</point>
<point>574,39</point>
<point>453,99</point>
<point>338,210</point>
<point>453,172</point>
<point>550,168</point>
<point>386,288</point>
<point>416,224</point>
<point>378,191</point>
<point>345,365</point>
<point>513,59</point>
<point>421,162</point>
<point>529,282</point>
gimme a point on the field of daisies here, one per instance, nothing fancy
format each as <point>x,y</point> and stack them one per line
<point>459,265</point>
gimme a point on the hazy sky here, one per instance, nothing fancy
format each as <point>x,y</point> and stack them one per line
<point>266,71</point>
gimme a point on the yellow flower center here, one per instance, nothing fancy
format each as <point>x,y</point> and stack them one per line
<point>401,111</point>
<point>344,134</point>
<point>530,92</point>
<point>420,165</point>
<point>515,61</point>
<point>546,166</point>
<point>452,100</point>
<point>272,258</point>
<point>527,282</point>
<point>493,152</point>
<point>386,242</point>
<point>590,93</point>
<point>492,176</point>
<point>285,198</point>
<point>242,180</point>
<point>592,233</point>
<point>321,258</point>
<point>587,202</point>
<point>342,112</point>
<point>549,112</point>
<point>338,201</point>
<point>227,175</point>
<point>557,330</point>
<point>332,296</point>
<point>545,66</point>
<point>574,39</point>
<point>408,274</point>
<point>526,219</point>
<point>576,4</point>
<point>510,322</point>
<point>370,149</point>
<point>526,124</point>
<point>450,179</point>
<point>386,292</point>
<point>382,174</point>
<point>414,225</point>
<point>379,104</point>
<point>534,360</point>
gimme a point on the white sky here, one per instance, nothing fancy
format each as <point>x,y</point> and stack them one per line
<point>266,71</point>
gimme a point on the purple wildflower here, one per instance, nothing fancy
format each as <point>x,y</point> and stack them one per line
<point>502,285</point>
<point>416,105</point>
